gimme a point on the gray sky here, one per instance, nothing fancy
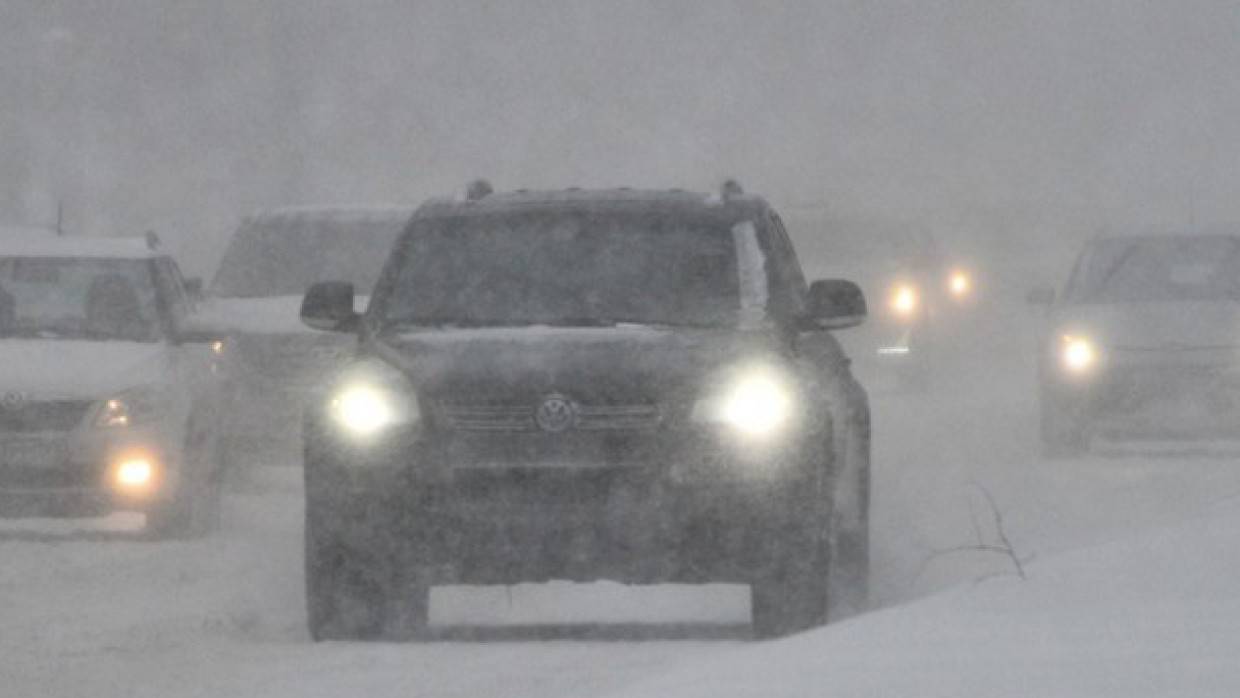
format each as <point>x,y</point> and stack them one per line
<point>182,117</point>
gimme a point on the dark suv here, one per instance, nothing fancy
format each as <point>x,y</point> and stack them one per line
<point>585,385</point>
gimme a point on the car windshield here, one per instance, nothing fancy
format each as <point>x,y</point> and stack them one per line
<point>284,255</point>
<point>566,269</point>
<point>1158,270</point>
<point>68,298</point>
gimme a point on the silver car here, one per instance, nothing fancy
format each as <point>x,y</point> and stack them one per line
<point>1143,343</point>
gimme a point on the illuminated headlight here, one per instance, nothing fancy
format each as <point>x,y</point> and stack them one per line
<point>1077,354</point>
<point>904,300</point>
<point>137,406</point>
<point>135,472</point>
<point>959,284</point>
<point>758,403</point>
<point>370,399</point>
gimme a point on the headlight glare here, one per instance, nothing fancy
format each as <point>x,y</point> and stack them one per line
<point>959,284</point>
<point>370,399</point>
<point>757,403</point>
<point>904,300</point>
<point>131,407</point>
<point>1077,354</point>
<point>363,409</point>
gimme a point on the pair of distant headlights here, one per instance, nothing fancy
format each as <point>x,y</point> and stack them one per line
<point>133,407</point>
<point>757,402</point>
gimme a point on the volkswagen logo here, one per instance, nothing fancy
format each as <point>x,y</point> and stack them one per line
<point>556,414</point>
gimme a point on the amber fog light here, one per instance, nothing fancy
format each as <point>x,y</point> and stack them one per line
<point>135,474</point>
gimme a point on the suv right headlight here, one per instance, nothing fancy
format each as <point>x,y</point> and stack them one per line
<point>371,398</point>
<point>755,401</point>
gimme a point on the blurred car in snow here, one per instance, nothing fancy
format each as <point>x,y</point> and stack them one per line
<point>272,359</point>
<point>1143,343</point>
<point>630,385</point>
<point>916,294</point>
<point>107,393</point>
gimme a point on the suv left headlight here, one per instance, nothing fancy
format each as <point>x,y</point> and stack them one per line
<point>131,407</point>
<point>370,398</point>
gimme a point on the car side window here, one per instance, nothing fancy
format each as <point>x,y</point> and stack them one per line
<point>789,289</point>
<point>172,288</point>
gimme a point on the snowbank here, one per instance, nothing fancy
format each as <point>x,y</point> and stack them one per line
<point>1156,616</point>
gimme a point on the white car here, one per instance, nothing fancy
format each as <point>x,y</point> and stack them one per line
<point>106,392</point>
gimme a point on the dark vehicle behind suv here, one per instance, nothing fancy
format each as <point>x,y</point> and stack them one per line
<point>584,385</point>
<point>902,271</point>
<point>272,358</point>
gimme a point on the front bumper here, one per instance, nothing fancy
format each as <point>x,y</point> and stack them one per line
<point>75,473</point>
<point>690,511</point>
<point>1186,395</point>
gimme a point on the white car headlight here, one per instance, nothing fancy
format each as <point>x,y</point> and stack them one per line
<point>758,402</point>
<point>135,406</point>
<point>370,398</point>
<point>1077,354</point>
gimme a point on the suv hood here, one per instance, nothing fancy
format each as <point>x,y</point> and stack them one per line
<point>79,370</point>
<point>1195,325</point>
<point>614,365</point>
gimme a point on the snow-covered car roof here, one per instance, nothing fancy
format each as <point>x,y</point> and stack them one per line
<point>31,243</point>
<point>374,212</point>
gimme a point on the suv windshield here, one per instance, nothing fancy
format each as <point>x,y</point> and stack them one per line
<point>53,297</point>
<point>284,255</point>
<point>565,268</point>
<point>1162,269</point>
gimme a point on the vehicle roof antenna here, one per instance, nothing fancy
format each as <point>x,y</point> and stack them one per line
<point>152,240</point>
<point>478,189</point>
<point>731,189</point>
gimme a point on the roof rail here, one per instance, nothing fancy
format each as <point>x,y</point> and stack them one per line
<point>478,189</point>
<point>730,189</point>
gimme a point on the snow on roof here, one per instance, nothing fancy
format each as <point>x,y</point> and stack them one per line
<point>377,212</point>
<point>41,243</point>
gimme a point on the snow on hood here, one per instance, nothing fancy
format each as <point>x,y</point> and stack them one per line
<point>76,369</point>
<point>1198,325</point>
<point>274,315</point>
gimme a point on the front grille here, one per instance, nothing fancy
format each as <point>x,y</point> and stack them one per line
<point>37,416</point>
<point>521,418</point>
<point>25,477</point>
<point>1130,388</point>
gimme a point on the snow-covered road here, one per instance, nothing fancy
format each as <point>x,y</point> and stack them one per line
<point>99,614</point>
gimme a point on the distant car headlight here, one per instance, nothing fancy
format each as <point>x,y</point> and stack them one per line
<point>137,406</point>
<point>959,284</point>
<point>758,402</point>
<point>371,398</point>
<point>904,300</point>
<point>1078,355</point>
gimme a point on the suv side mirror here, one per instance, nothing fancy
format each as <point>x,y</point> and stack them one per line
<point>835,304</point>
<point>328,306</point>
<point>193,288</point>
<point>1040,295</point>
